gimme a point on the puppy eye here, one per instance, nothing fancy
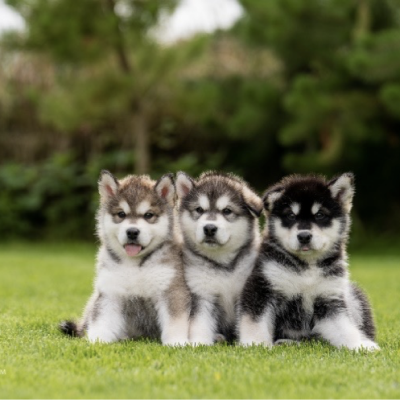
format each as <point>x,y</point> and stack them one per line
<point>199,210</point>
<point>121,215</point>
<point>291,216</point>
<point>148,215</point>
<point>226,211</point>
<point>320,215</point>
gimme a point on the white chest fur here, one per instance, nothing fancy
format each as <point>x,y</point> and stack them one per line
<point>310,283</point>
<point>128,278</point>
<point>214,284</point>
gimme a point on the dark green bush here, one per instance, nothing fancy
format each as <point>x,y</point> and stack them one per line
<point>56,199</point>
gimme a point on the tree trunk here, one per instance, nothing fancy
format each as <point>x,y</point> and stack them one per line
<point>363,19</point>
<point>141,134</point>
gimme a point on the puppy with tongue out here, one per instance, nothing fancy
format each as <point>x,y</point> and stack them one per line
<point>139,289</point>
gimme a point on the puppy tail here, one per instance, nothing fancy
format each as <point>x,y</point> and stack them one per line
<point>70,328</point>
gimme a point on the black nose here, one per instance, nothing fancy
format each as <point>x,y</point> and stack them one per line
<point>210,230</point>
<point>132,233</point>
<point>304,237</point>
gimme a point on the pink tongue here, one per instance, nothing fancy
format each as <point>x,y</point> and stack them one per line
<point>132,249</point>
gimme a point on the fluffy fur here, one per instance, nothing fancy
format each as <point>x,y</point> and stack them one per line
<point>218,215</point>
<point>139,290</point>
<point>300,285</point>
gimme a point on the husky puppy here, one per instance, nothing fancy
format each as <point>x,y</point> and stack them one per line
<point>139,290</point>
<point>300,285</point>
<point>218,215</point>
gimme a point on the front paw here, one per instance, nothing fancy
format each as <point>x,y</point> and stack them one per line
<point>280,342</point>
<point>367,345</point>
<point>249,343</point>
<point>175,342</point>
<point>219,338</point>
<point>94,336</point>
<point>201,341</point>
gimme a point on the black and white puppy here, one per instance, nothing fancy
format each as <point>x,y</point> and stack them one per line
<point>300,285</point>
<point>218,216</point>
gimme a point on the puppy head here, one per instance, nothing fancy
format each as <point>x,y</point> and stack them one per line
<point>135,214</point>
<point>309,216</point>
<point>218,212</point>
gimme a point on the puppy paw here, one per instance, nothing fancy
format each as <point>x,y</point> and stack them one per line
<point>367,345</point>
<point>175,342</point>
<point>219,338</point>
<point>249,343</point>
<point>280,342</point>
<point>101,337</point>
<point>199,341</point>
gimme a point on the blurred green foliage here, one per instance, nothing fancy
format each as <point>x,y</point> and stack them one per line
<point>296,86</point>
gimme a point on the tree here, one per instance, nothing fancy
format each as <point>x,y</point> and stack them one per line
<point>106,64</point>
<point>341,63</point>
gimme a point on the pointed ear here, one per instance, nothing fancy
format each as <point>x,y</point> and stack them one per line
<point>342,189</point>
<point>253,202</point>
<point>184,184</point>
<point>165,188</point>
<point>108,185</point>
<point>271,196</point>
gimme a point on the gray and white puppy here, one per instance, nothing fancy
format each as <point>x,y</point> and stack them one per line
<point>218,216</point>
<point>139,290</point>
<point>300,285</point>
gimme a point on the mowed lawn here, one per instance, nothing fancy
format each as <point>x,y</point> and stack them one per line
<point>40,284</point>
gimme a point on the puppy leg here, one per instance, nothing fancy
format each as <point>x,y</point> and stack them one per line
<point>202,324</point>
<point>105,320</point>
<point>333,323</point>
<point>340,331</point>
<point>256,312</point>
<point>174,326</point>
<point>257,330</point>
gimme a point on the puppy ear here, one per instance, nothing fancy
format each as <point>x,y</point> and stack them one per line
<point>342,189</point>
<point>253,202</point>
<point>108,185</point>
<point>165,188</point>
<point>184,184</point>
<point>271,196</point>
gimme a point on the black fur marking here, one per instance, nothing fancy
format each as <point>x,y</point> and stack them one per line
<point>331,266</point>
<point>290,315</point>
<point>368,325</point>
<point>69,328</point>
<point>271,250</point>
<point>113,256</point>
<point>334,270</point>
<point>257,294</point>
<point>194,304</point>
<point>306,191</point>
<point>141,318</point>
<point>224,327</point>
<point>326,308</point>
<point>148,256</point>
<point>96,307</point>
<point>229,267</point>
<point>214,191</point>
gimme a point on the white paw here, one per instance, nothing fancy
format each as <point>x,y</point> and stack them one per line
<point>175,341</point>
<point>287,342</point>
<point>101,337</point>
<point>367,345</point>
<point>249,343</point>
<point>201,341</point>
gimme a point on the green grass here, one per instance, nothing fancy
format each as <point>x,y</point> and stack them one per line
<point>42,284</point>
